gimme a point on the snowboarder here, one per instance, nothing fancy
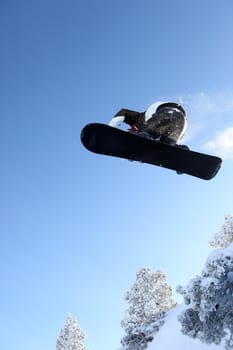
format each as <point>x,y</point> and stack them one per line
<point>162,121</point>
<point>153,139</point>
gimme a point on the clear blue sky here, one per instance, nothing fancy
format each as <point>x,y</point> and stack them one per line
<point>75,227</point>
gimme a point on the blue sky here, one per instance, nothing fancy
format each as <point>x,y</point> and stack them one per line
<point>75,227</point>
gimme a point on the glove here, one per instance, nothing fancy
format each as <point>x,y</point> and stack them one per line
<point>116,121</point>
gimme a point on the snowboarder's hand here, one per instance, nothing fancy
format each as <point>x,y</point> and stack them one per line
<point>116,121</point>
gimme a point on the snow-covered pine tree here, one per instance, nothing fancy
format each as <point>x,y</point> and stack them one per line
<point>225,236</point>
<point>71,336</point>
<point>209,316</point>
<point>149,298</point>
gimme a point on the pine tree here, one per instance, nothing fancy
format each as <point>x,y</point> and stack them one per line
<point>225,236</point>
<point>149,298</point>
<point>209,316</point>
<point>71,336</point>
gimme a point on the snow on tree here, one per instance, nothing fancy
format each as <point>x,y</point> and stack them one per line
<point>149,298</point>
<point>209,316</point>
<point>225,236</point>
<point>71,336</point>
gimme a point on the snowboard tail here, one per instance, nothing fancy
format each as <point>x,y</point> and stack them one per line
<point>106,140</point>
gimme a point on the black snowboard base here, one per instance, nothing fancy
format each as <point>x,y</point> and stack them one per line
<point>106,140</point>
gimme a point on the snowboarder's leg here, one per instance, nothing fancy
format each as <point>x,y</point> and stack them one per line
<point>169,122</point>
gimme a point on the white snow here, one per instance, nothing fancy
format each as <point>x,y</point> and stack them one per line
<point>170,337</point>
<point>181,100</point>
<point>209,280</point>
<point>217,254</point>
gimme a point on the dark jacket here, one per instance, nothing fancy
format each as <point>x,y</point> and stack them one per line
<point>132,117</point>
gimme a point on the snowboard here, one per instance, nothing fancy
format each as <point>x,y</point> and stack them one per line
<point>104,139</point>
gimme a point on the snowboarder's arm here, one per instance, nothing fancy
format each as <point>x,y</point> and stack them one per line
<point>129,117</point>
